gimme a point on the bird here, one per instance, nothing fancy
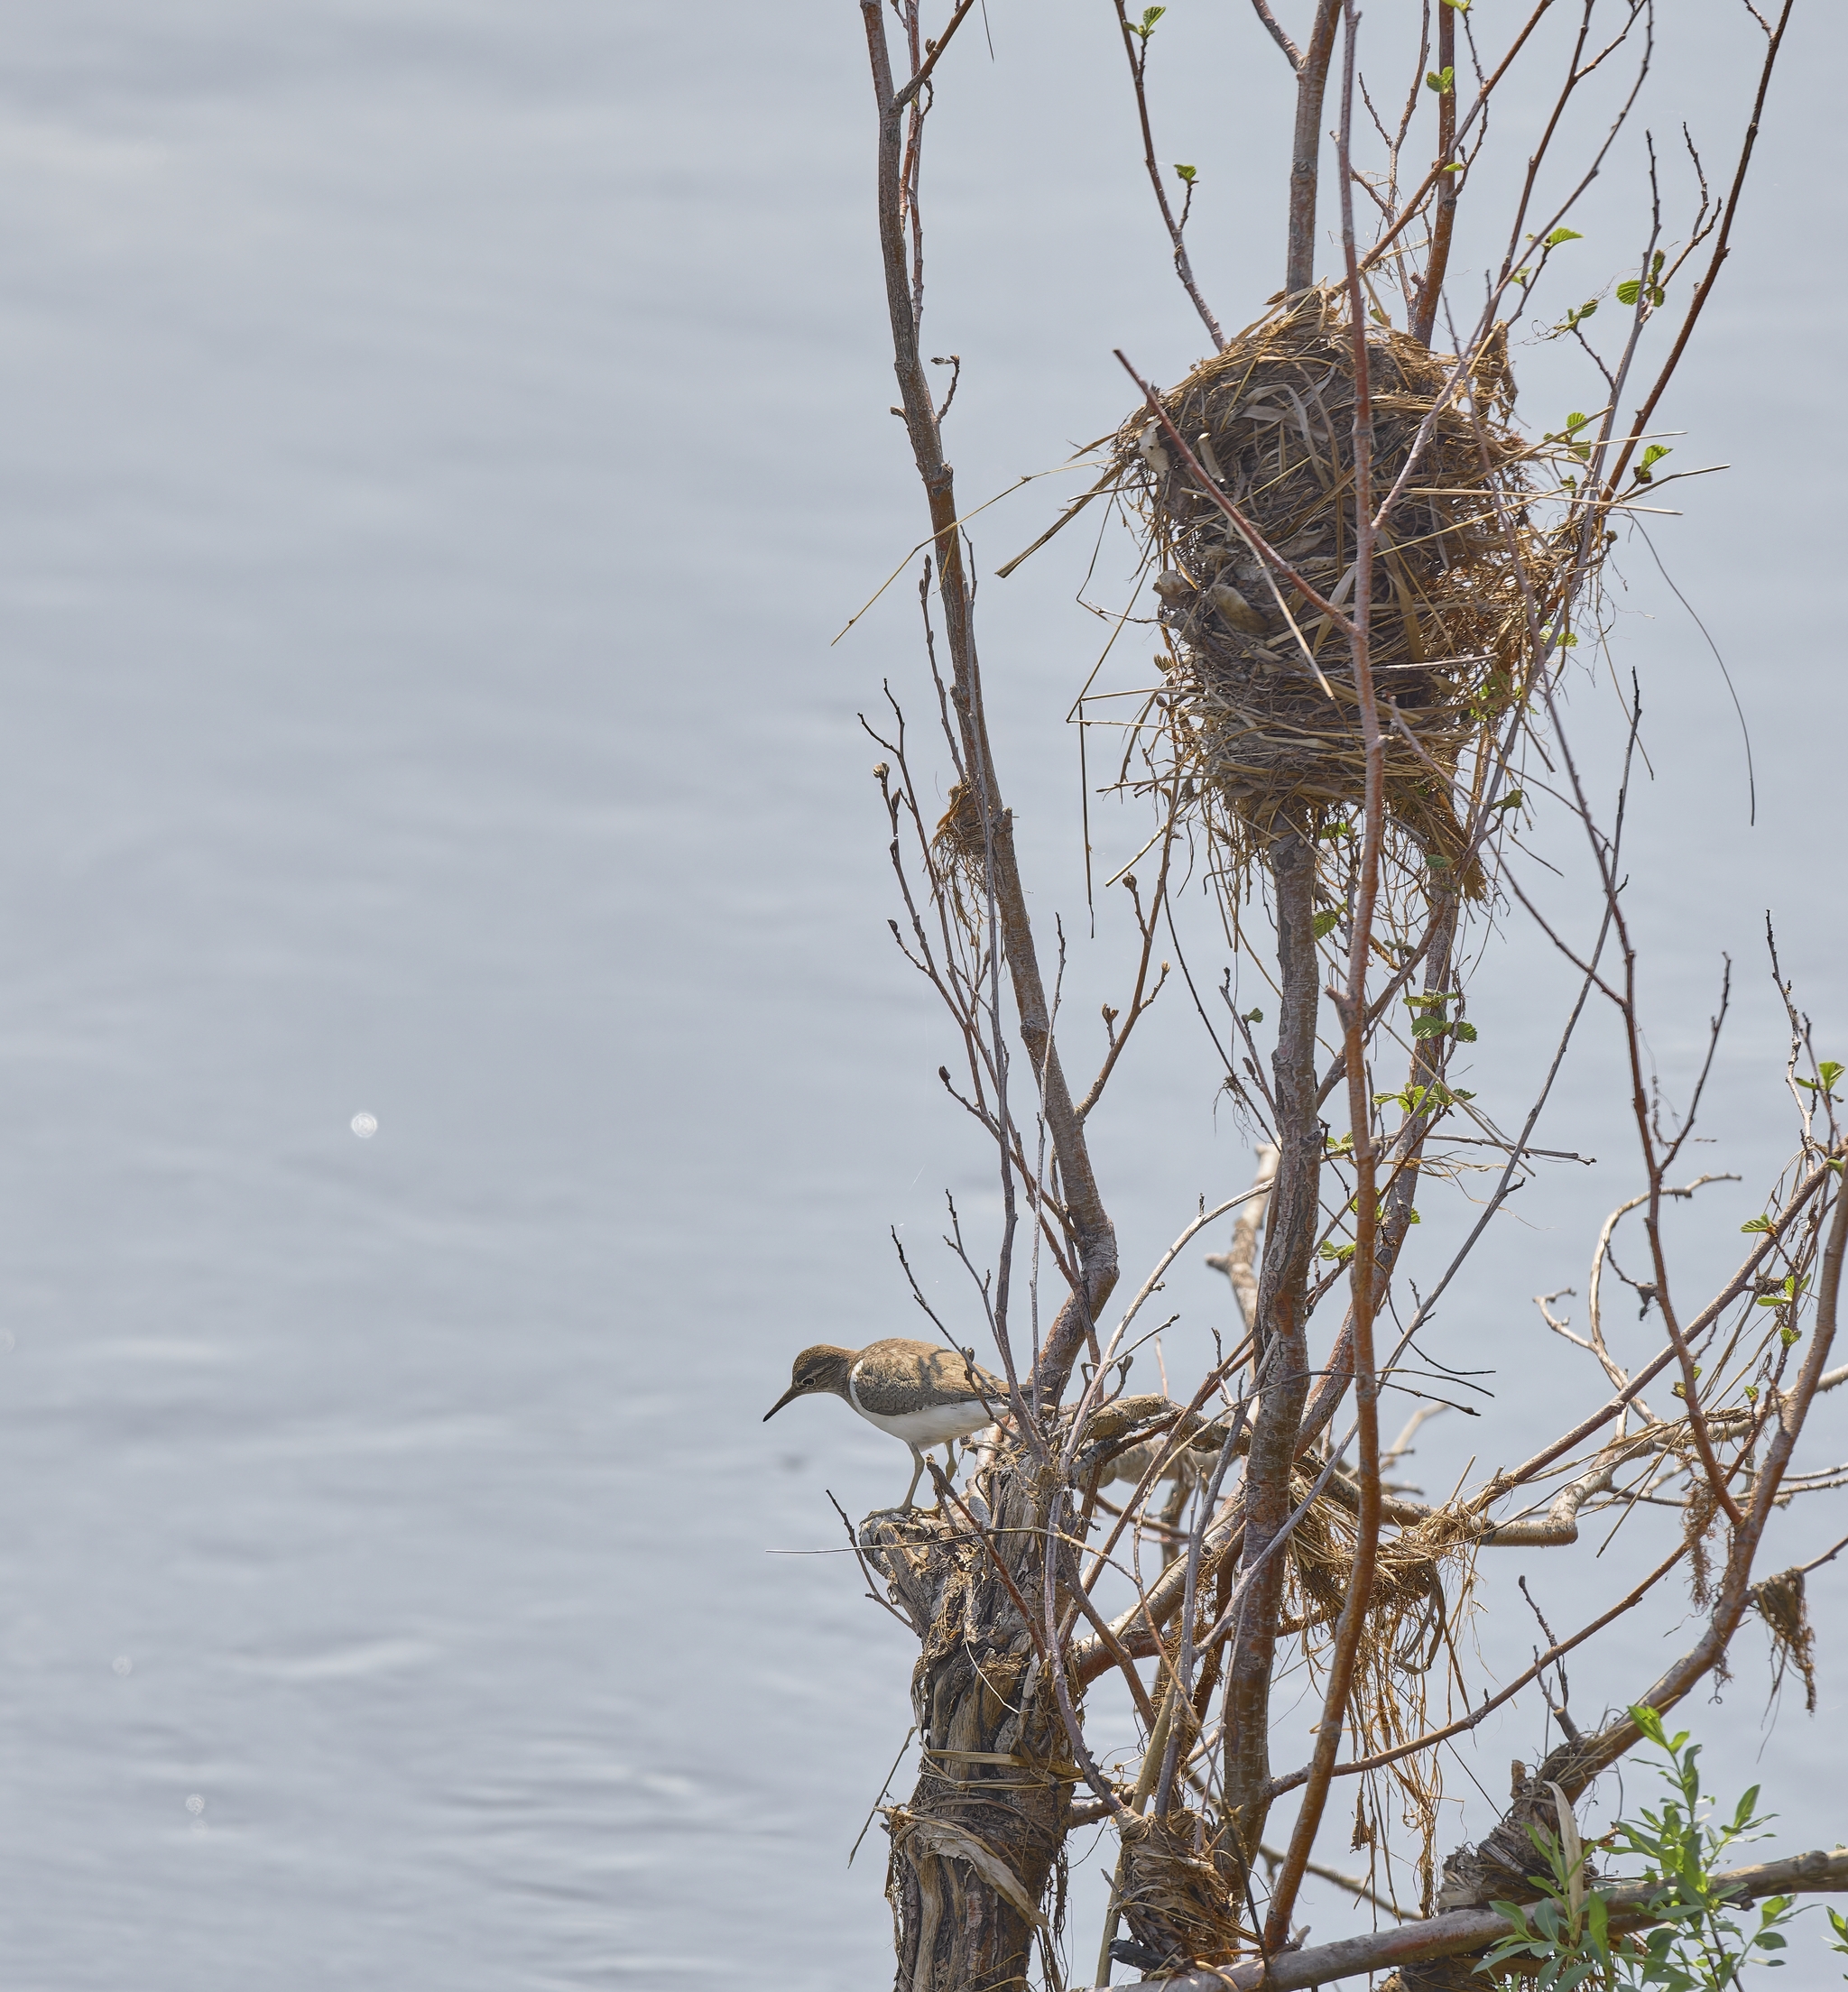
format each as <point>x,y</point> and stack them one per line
<point>1236,610</point>
<point>916,1390</point>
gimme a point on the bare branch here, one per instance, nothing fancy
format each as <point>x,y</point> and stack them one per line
<point>936,48</point>
<point>1721,248</point>
<point>1467,1931</point>
<point>1136,48</point>
<point>1237,1263</point>
<point>1292,54</point>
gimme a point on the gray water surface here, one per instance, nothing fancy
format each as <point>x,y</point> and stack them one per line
<point>440,442</point>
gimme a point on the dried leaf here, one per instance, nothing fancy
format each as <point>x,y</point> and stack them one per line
<point>939,1836</point>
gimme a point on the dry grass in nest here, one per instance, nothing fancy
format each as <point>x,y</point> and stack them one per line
<point>1407,1610</point>
<point>1409,1623</point>
<point>1179,1887</point>
<point>1268,731</point>
<point>959,860</point>
<point>1782,1605</point>
<point>960,841</point>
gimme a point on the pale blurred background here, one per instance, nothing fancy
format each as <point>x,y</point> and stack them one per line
<point>441,439</point>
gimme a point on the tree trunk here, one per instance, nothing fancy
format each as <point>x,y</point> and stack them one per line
<point>1306,148</point>
<point>1295,1217</point>
<point>975,1847</point>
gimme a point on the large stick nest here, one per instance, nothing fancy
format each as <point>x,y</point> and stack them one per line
<point>1268,716</point>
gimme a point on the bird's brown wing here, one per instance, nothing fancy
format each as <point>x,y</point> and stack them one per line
<point>956,1375</point>
<point>888,1375</point>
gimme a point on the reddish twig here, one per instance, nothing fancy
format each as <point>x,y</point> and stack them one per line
<point>1431,284</point>
<point>911,89</point>
<point>1351,1006</point>
<point>1721,248</point>
<point>1177,230</point>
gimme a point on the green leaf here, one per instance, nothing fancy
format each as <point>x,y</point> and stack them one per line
<point>1597,1916</point>
<point>1464,1033</point>
<point>1756,1224</point>
<point>1651,456</point>
<point>1418,1099</point>
<point>1830,1072</point>
<point>1254,1016</point>
<point>1186,173</point>
<point>1562,235</point>
<point>1456,166</point>
<point>1512,800</point>
<point>1629,291</point>
<point>1338,1254</point>
<point>1462,6</point>
<point>1428,1027</point>
<point>1326,922</point>
<point>1146,26</point>
<point>1443,81</point>
<point>1569,436</point>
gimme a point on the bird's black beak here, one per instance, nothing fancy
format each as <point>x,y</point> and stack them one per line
<point>795,1390</point>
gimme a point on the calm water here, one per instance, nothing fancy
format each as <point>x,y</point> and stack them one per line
<point>441,441</point>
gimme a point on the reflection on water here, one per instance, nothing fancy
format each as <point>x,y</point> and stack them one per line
<point>397,709</point>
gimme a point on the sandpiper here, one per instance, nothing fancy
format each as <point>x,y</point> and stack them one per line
<point>919,1392</point>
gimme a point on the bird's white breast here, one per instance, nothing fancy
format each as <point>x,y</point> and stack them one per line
<point>936,1424</point>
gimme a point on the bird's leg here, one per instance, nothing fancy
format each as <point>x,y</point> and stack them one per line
<point>917,1475</point>
<point>949,1456</point>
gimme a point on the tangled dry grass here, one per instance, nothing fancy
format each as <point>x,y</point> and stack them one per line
<point>1782,1606</point>
<point>1182,1891</point>
<point>1422,1585</point>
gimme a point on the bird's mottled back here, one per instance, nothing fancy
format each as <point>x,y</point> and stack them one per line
<point>898,1375</point>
